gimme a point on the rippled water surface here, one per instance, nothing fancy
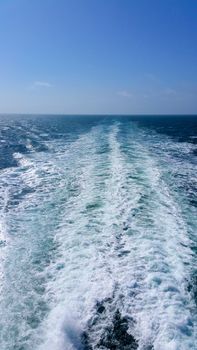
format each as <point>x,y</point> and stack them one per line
<point>98,240</point>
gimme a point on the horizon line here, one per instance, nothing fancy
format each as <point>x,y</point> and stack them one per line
<point>98,114</point>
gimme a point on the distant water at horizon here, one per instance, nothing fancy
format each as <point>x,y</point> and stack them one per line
<point>98,222</point>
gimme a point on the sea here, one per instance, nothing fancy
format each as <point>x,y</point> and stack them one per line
<point>98,232</point>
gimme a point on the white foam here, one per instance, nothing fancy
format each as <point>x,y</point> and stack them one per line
<point>157,263</point>
<point>119,233</point>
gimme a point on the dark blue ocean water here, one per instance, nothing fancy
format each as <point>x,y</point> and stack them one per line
<point>98,243</point>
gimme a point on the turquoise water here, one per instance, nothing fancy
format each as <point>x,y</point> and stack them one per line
<point>98,233</point>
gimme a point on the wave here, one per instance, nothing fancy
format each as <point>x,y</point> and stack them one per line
<point>101,252</point>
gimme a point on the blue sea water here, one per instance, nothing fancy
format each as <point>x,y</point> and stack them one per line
<point>98,242</point>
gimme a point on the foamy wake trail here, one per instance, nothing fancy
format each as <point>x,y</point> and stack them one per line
<point>124,248</point>
<point>102,259</point>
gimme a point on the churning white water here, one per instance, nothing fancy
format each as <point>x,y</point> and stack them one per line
<point>96,242</point>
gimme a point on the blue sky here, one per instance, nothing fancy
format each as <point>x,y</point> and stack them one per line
<point>98,56</point>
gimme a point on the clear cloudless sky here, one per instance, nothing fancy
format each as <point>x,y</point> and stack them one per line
<point>98,56</point>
